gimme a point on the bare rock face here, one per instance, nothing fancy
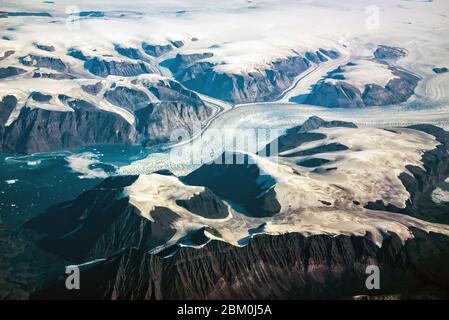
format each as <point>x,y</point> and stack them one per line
<point>52,75</point>
<point>238,183</point>
<point>101,222</point>
<point>156,122</point>
<point>7,105</point>
<point>199,74</point>
<point>132,53</point>
<point>205,204</point>
<point>288,266</point>
<point>340,94</point>
<point>78,54</point>
<point>10,72</point>
<point>7,54</point>
<point>92,89</point>
<point>44,47</point>
<point>32,60</point>
<point>173,91</point>
<point>38,130</point>
<point>389,53</point>
<point>104,68</point>
<point>127,98</point>
<point>396,91</point>
<point>440,70</point>
<point>296,136</point>
<point>315,122</point>
<point>343,95</point>
<point>156,50</point>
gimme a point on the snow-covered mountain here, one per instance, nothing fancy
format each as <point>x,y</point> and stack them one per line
<point>366,82</point>
<point>326,183</point>
<point>240,52</point>
<point>368,185</point>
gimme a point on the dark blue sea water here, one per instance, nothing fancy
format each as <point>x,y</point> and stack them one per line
<point>30,184</point>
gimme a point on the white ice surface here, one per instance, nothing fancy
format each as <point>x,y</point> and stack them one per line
<point>366,72</point>
<point>244,35</point>
<point>367,172</point>
<point>81,163</point>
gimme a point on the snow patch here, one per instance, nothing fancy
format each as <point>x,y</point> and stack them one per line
<point>365,72</point>
<point>440,196</point>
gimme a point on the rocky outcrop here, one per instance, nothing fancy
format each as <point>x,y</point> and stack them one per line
<point>396,91</point>
<point>171,107</point>
<point>240,183</point>
<point>156,121</point>
<point>33,60</point>
<point>37,130</point>
<point>199,74</point>
<point>92,89</point>
<point>132,53</point>
<point>10,72</point>
<point>340,94</point>
<point>335,95</point>
<point>420,183</point>
<point>315,122</point>
<point>389,53</point>
<point>44,47</point>
<point>157,50</point>
<point>6,14</point>
<point>127,98</point>
<point>77,54</point>
<point>40,97</point>
<point>296,136</point>
<point>320,56</point>
<point>7,54</point>
<point>334,92</point>
<point>101,222</point>
<point>289,266</point>
<point>7,105</point>
<point>55,76</point>
<point>440,70</point>
<point>205,204</point>
<point>330,53</point>
<point>313,162</point>
<point>104,68</point>
<point>172,91</point>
